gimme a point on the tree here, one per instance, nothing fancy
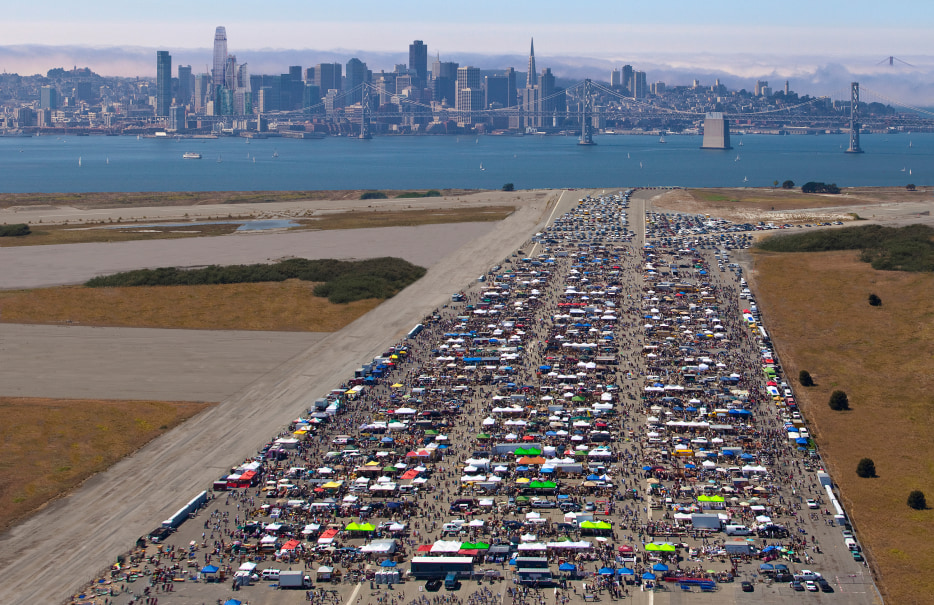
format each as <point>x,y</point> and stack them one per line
<point>509,187</point>
<point>16,230</point>
<point>910,187</point>
<point>916,500</point>
<point>875,301</point>
<point>839,401</point>
<point>804,377</point>
<point>775,183</point>
<point>789,184</point>
<point>866,468</point>
<point>816,187</point>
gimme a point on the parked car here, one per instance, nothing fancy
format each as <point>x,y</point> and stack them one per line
<point>748,587</point>
<point>796,585</point>
<point>810,586</point>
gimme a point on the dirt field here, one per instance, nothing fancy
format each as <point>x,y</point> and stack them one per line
<point>52,445</point>
<point>784,206</point>
<point>288,306</point>
<point>815,306</point>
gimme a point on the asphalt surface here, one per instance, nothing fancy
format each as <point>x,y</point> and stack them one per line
<point>81,362</point>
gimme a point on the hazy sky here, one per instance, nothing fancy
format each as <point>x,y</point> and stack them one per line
<point>605,28</point>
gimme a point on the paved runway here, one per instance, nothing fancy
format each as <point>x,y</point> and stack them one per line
<point>80,362</point>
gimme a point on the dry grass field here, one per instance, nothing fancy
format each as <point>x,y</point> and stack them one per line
<point>815,305</point>
<point>288,305</point>
<point>69,234</point>
<point>50,445</point>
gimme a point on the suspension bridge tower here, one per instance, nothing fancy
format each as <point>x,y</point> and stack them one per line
<point>365,115</point>
<point>854,119</point>
<point>587,116</point>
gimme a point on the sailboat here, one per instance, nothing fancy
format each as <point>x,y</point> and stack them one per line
<point>275,153</point>
<point>909,171</point>
<point>741,143</point>
<point>661,139</point>
<point>79,160</point>
<point>737,158</point>
<point>640,164</point>
<point>108,160</point>
<point>745,179</point>
<point>909,144</point>
<point>628,157</point>
<point>481,166</point>
<point>903,169</point>
<point>219,160</point>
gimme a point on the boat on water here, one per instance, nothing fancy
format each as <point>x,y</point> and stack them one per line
<point>275,154</point>
<point>481,166</point>
<point>661,139</point>
<point>191,155</point>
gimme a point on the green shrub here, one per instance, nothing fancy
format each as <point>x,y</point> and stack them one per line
<point>789,184</point>
<point>916,500</point>
<point>343,281</point>
<point>14,230</point>
<point>866,468</point>
<point>373,195</point>
<point>815,187</point>
<point>509,187</point>
<point>839,401</point>
<point>875,301</point>
<point>804,377</point>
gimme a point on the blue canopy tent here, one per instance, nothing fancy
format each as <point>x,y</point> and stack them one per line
<point>625,571</point>
<point>648,576</point>
<point>388,563</point>
<point>606,571</point>
<point>659,567</point>
<point>567,567</point>
<point>209,569</point>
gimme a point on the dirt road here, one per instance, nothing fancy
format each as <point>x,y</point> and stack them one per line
<point>60,549</point>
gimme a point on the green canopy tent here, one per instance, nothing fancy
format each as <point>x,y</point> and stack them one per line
<point>660,547</point>
<point>595,525</point>
<point>360,527</point>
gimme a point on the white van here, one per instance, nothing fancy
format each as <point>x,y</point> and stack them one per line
<point>270,574</point>
<point>737,530</point>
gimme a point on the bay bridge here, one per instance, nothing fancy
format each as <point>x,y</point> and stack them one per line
<point>588,107</point>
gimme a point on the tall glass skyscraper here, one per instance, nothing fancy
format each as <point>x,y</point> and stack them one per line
<point>220,56</point>
<point>163,82</point>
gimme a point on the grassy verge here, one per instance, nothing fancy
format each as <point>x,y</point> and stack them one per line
<point>781,199</point>
<point>185,198</point>
<point>909,248</point>
<point>815,305</point>
<point>288,306</point>
<point>50,445</point>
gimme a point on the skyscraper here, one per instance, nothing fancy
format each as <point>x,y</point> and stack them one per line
<point>328,77</point>
<point>532,78</point>
<point>627,79</point>
<point>469,94</point>
<point>163,82</point>
<point>418,60</point>
<point>220,55</point>
<point>185,85</point>
<point>356,75</point>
